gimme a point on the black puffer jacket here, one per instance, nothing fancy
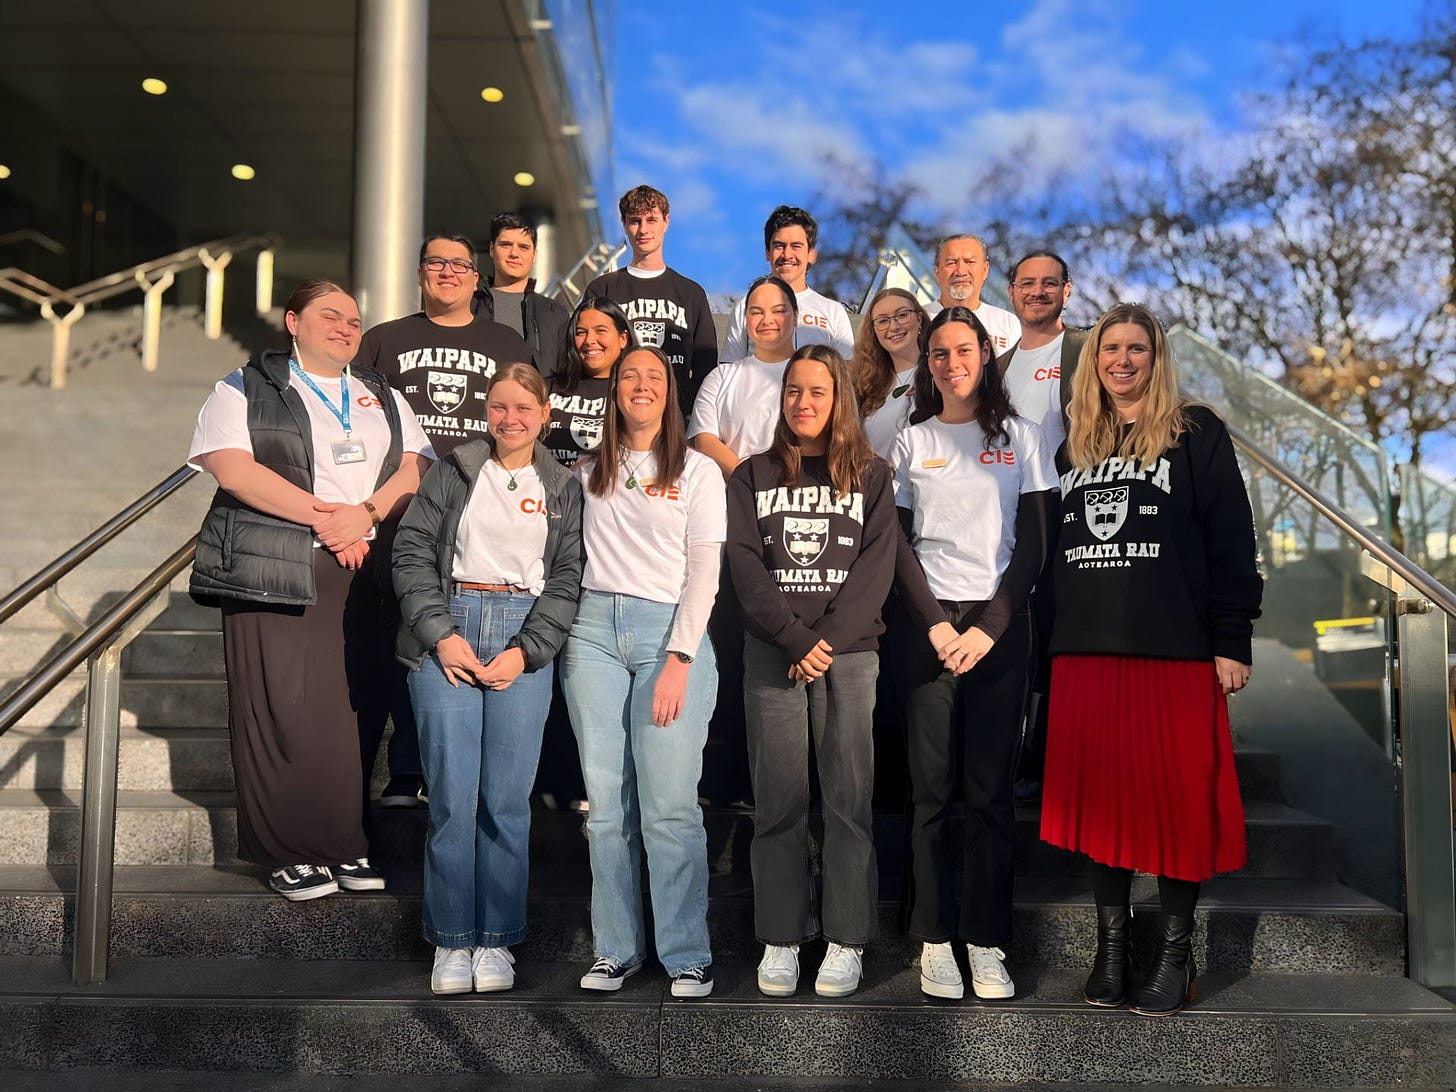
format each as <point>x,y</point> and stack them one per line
<point>243,553</point>
<point>424,557</point>
<point>545,323</point>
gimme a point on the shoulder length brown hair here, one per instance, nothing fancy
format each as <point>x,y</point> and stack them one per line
<point>669,446</point>
<point>1095,430</point>
<point>873,367</point>
<point>849,454</point>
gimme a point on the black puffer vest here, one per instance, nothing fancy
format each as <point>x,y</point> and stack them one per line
<point>243,553</point>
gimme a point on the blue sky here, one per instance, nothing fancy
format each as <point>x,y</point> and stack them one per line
<point>733,108</point>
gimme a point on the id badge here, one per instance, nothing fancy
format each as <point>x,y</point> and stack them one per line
<point>348,451</point>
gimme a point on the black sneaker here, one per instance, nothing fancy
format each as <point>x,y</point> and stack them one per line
<point>359,875</point>
<point>402,792</point>
<point>697,982</point>
<point>300,882</point>
<point>607,975</point>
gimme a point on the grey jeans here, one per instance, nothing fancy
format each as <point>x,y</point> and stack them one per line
<point>780,714</point>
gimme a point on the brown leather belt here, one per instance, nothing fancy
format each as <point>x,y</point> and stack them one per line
<point>464,585</point>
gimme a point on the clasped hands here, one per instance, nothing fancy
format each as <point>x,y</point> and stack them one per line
<point>959,652</point>
<point>341,528</point>
<point>460,664</point>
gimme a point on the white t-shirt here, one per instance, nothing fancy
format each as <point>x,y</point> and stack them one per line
<point>822,321</point>
<point>740,404</point>
<point>636,540</point>
<point>1001,324</point>
<point>882,426</point>
<point>1034,382</point>
<point>222,425</point>
<point>502,534</point>
<point>964,499</point>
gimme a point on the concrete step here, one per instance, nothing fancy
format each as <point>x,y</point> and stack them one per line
<point>200,827</point>
<point>1244,925</point>
<point>285,1017</point>
<point>146,702</point>
<point>165,759</point>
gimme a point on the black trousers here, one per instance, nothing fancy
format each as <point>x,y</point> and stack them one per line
<point>976,718</point>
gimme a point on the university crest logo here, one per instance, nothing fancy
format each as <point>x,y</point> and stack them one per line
<point>805,539</point>
<point>446,390</point>
<point>650,333</point>
<point>587,432</point>
<point>1106,510</point>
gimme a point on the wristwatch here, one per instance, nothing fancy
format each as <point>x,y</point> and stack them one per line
<point>683,657</point>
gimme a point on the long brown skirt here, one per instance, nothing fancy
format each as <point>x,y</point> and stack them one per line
<point>303,682</point>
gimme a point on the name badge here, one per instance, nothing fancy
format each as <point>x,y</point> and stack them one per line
<point>348,451</point>
<point>933,464</point>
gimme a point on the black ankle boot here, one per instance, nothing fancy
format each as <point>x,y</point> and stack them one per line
<point>1107,984</point>
<point>1171,983</point>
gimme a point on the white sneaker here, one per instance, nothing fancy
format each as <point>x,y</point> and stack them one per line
<point>452,972</point>
<point>778,971</point>
<point>939,975</point>
<point>840,972</point>
<point>494,969</point>
<point>988,973</point>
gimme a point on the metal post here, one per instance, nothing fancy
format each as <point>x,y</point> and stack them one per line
<point>389,155</point>
<point>1426,790</point>
<point>152,316</point>
<point>212,314</point>
<point>61,339</point>
<point>263,289</point>
<point>545,267</point>
<point>98,818</point>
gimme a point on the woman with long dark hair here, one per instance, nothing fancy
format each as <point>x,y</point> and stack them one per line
<point>1140,767</point>
<point>811,543</point>
<point>977,484</point>
<point>887,349</point>
<point>599,334</point>
<point>487,566</point>
<point>311,457</point>
<point>640,677</point>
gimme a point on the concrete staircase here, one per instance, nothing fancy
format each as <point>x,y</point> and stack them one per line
<point>215,978</point>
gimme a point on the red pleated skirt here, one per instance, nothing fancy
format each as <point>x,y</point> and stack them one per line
<point>1140,766</point>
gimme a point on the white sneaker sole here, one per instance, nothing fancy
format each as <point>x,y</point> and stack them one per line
<point>494,985</point>
<point>770,988</point>
<point>348,883</point>
<point>948,991</point>
<point>835,989</point>
<point>608,985</point>
<point>451,988</point>
<point>695,989</point>
<point>994,991</point>
<point>309,893</point>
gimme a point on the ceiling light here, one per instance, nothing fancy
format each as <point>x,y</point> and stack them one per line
<point>4,171</point>
<point>243,173</point>
<point>525,178</point>
<point>492,94</point>
<point>571,130</point>
<point>153,86</point>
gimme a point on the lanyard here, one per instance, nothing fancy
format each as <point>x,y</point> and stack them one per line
<point>342,415</point>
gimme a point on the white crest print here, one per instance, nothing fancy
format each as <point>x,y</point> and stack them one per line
<point>651,334</point>
<point>1106,510</point>
<point>805,539</point>
<point>446,390</point>
<point>587,432</point>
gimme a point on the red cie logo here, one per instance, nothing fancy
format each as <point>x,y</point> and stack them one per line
<point>666,492</point>
<point>533,507</point>
<point>1043,374</point>
<point>1006,458</point>
<point>368,401</point>
<point>816,320</point>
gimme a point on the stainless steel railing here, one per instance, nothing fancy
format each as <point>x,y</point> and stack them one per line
<point>152,278</point>
<point>599,258</point>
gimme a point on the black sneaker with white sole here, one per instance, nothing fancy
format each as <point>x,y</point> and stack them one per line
<point>359,875</point>
<point>605,974</point>
<point>300,882</point>
<point>697,982</point>
<point>402,792</point>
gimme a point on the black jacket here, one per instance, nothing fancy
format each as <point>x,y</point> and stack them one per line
<point>545,321</point>
<point>424,556</point>
<point>243,553</point>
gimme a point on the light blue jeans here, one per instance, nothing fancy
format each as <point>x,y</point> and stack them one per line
<point>478,750</point>
<point>641,780</point>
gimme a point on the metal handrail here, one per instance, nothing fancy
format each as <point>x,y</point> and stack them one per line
<point>152,278</point>
<point>1417,577</point>
<point>30,235</point>
<point>51,574</point>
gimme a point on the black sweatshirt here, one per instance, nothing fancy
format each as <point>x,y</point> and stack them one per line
<point>1159,560</point>
<point>670,312</point>
<point>809,564</point>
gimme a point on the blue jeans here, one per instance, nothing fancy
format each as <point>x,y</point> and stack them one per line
<point>641,780</point>
<point>479,750</point>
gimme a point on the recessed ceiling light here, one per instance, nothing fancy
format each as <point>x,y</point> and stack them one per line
<point>153,86</point>
<point>525,178</point>
<point>492,94</point>
<point>4,171</point>
<point>243,173</point>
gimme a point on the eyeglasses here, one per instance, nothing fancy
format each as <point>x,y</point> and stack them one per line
<point>899,318</point>
<point>1051,284</point>
<point>459,265</point>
